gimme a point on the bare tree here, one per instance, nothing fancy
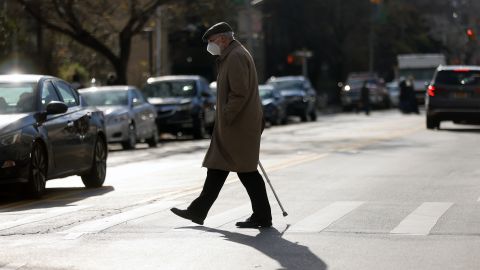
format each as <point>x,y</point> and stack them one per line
<point>105,26</point>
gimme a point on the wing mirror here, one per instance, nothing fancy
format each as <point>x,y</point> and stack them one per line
<point>56,107</point>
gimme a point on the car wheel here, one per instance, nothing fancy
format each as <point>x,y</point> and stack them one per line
<point>199,130</point>
<point>313,115</point>
<point>304,116</point>
<point>432,123</point>
<point>153,141</point>
<point>132,138</point>
<point>38,172</point>
<point>96,176</point>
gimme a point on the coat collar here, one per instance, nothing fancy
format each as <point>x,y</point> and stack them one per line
<point>227,50</point>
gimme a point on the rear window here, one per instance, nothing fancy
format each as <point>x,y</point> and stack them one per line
<point>458,77</point>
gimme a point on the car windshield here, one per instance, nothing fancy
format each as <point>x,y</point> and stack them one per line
<point>106,98</point>
<point>266,93</point>
<point>287,84</point>
<point>177,88</point>
<point>17,98</point>
<point>458,77</point>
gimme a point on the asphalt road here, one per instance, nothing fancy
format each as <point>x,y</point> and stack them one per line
<point>378,192</point>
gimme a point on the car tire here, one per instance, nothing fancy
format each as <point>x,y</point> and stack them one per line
<point>199,130</point>
<point>313,115</point>
<point>432,123</point>
<point>153,140</point>
<point>304,116</point>
<point>38,172</point>
<point>132,138</point>
<point>96,176</point>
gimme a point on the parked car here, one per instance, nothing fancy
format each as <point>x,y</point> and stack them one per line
<point>184,103</point>
<point>274,105</point>
<point>453,94</point>
<point>129,118</point>
<point>47,132</point>
<point>213,87</point>
<point>300,96</point>
<point>350,94</point>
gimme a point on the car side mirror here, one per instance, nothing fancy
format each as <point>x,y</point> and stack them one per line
<point>56,107</point>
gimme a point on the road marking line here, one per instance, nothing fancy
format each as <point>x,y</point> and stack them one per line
<point>323,218</point>
<point>223,218</point>
<point>99,225</point>
<point>42,216</point>
<point>423,219</point>
<point>12,266</point>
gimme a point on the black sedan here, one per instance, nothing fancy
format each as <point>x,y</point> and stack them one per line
<point>274,105</point>
<point>300,95</point>
<point>185,104</point>
<point>46,132</point>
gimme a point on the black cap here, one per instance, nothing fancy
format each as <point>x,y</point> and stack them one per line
<point>221,27</point>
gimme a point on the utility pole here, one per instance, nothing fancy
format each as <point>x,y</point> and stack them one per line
<point>158,42</point>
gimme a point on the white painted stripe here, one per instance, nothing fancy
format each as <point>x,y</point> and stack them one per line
<point>99,225</point>
<point>54,212</point>
<point>12,266</point>
<point>422,219</point>
<point>324,217</point>
<point>223,218</point>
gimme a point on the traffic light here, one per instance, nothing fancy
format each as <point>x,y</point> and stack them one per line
<point>470,34</point>
<point>290,59</point>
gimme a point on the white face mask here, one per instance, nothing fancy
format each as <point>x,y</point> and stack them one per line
<point>213,48</point>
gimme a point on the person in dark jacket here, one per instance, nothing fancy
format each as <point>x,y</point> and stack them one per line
<point>235,143</point>
<point>365,98</point>
<point>407,99</point>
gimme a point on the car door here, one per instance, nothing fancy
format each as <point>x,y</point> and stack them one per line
<point>142,114</point>
<point>79,150</point>
<point>209,102</point>
<point>56,130</point>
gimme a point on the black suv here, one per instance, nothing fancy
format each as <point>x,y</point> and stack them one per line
<point>454,94</point>
<point>300,96</point>
<point>184,103</point>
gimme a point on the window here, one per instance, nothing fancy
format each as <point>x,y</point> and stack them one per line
<point>174,88</point>
<point>66,92</point>
<point>48,94</point>
<point>17,98</point>
<point>137,99</point>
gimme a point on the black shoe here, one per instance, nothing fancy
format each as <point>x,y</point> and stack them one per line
<point>251,223</point>
<point>186,215</point>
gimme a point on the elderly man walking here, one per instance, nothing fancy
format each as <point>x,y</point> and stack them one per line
<point>239,123</point>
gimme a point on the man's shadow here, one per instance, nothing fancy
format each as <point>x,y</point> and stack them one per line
<point>290,255</point>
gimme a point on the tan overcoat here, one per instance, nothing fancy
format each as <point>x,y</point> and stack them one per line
<point>235,144</point>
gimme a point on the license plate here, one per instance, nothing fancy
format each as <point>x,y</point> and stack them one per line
<point>460,95</point>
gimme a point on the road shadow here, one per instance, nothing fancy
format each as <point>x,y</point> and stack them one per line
<point>54,197</point>
<point>461,130</point>
<point>290,255</point>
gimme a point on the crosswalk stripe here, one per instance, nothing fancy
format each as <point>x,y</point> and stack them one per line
<point>108,222</point>
<point>228,216</point>
<point>324,217</point>
<point>12,266</point>
<point>422,219</point>
<point>41,216</point>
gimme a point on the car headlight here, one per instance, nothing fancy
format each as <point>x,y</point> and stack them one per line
<point>115,119</point>
<point>11,138</point>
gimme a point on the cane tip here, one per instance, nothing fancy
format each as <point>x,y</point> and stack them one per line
<point>285,214</point>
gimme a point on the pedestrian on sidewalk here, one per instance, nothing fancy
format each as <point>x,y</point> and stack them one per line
<point>235,143</point>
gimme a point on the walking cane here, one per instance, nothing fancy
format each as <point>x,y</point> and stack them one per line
<point>274,193</point>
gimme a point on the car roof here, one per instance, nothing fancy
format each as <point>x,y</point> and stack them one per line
<point>456,67</point>
<point>174,78</point>
<point>266,87</point>
<point>107,88</point>
<point>28,78</point>
<point>286,78</point>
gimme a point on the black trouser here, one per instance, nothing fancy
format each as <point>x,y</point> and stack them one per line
<point>253,183</point>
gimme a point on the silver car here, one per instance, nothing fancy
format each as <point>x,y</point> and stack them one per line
<point>129,117</point>
<point>454,94</point>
